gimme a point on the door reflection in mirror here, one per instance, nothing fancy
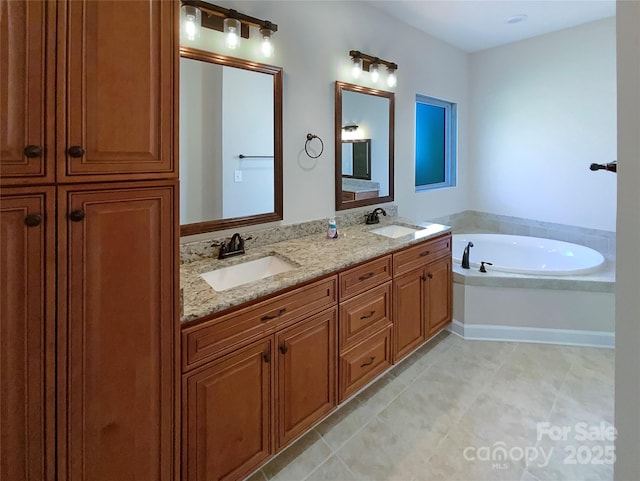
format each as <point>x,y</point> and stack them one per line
<point>356,159</point>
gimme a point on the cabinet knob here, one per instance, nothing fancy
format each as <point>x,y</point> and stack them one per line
<point>266,356</point>
<point>430,276</point>
<point>76,215</point>
<point>283,348</point>
<point>32,151</point>
<point>32,220</point>
<point>75,151</point>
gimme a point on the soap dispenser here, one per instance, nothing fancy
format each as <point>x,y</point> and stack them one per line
<point>332,231</point>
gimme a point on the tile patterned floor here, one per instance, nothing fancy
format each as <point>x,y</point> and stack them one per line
<point>464,411</point>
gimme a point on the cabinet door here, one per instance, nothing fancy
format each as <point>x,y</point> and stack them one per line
<point>27,42</point>
<point>408,317</point>
<point>306,374</point>
<point>227,407</point>
<point>438,295</point>
<point>115,77</point>
<point>27,319</point>
<point>116,331</point>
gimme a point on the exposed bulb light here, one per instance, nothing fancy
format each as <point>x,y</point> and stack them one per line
<point>232,29</point>
<point>266,47</point>
<point>357,67</point>
<point>392,80</point>
<point>374,70</point>
<point>191,21</point>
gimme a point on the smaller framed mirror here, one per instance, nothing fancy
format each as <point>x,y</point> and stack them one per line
<point>364,137</point>
<point>356,159</point>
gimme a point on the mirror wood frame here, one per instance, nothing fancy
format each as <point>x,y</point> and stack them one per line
<point>339,89</point>
<point>276,72</point>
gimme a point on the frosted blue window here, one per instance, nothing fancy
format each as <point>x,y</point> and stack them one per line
<point>435,143</point>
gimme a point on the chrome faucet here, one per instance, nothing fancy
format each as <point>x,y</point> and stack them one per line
<point>372,217</point>
<point>465,256</point>
<point>234,247</point>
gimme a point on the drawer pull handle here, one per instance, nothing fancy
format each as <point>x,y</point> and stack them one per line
<point>366,276</point>
<point>425,253</point>
<point>283,348</point>
<point>267,317</point>
<point>367,316</point>
<point>266,356</point>
<point>369,362</point>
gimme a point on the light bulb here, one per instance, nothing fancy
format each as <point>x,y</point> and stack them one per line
<point>357,67</point>
<point>392,80</point>
<point>190,22</point>
<point>267,46</point>
<point>232,33</point>
<point>374,70</point>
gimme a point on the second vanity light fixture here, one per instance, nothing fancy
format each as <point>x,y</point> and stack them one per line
<point>368,63</point>
<point>234,24</point>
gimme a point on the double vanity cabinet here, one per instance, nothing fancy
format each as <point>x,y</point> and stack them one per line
<point>256,377</point>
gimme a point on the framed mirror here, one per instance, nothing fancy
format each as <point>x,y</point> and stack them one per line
<point>364,136</point>
<point>230,142</point>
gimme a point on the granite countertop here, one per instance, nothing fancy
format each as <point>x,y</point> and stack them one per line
<point>315,256</point>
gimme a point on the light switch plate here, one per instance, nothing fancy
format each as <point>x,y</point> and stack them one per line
<point>237,176</point>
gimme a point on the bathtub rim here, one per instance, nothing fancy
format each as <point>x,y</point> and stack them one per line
<point>582,271</point>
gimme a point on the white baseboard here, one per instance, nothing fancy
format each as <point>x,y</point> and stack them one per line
<point>488,332</point>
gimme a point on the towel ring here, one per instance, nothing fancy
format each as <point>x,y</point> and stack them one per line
<point>310,137</point>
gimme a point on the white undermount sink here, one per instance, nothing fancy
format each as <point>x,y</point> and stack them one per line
<point>238,274</point>
<point>394,231</point>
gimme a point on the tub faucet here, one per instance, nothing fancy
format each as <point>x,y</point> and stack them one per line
<point>465,256</point>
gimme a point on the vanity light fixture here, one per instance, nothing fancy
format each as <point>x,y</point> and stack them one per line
<point>191,21</point>
<point>234,24</point>
<point>232,29</point>
<point>392,80</point>
<point>368,63</point>
<point>350,127</point>
<point>357,66</point>
<point>266,47</point>
<point>374,71</point>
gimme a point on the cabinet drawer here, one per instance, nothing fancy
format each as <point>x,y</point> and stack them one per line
<point>364,362</point>
<point>206,341</point>
<point>364,314</point>
<point>364,277</point>
<point>420,255</point>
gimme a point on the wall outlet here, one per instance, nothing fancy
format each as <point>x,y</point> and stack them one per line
<point>237,176</point>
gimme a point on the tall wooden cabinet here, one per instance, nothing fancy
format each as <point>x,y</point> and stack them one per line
<point>88,352</point>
